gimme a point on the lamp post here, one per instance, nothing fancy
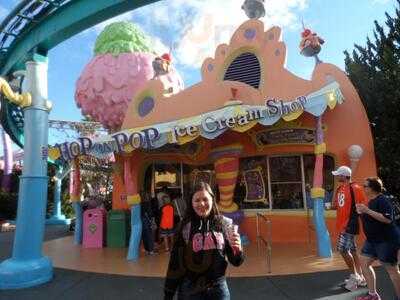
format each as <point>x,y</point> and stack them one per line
<point>354,152</point>
<point>28,266</point>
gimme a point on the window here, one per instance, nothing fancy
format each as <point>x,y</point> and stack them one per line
<point>245,68</point>
<point>286,182</point>
<point>251,190</point>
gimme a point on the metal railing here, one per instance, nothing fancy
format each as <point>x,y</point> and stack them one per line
<point>266,241</point>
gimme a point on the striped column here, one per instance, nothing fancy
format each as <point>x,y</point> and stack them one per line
<point>226,167</point>
<point>318,195</point>
<point>75,197</point>
<point>133,199</point>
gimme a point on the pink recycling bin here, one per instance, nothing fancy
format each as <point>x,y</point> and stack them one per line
<point>94,224</point>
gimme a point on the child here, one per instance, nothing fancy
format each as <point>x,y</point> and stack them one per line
<point>167,223</point>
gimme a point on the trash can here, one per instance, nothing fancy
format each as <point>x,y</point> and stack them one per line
<point>94,228</point>
<point>117,229</point>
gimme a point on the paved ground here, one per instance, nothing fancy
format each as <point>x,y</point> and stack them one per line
<point>75,285</point>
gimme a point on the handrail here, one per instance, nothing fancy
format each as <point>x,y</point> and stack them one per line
<point>268,241</point>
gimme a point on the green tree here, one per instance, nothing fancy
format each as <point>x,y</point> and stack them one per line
<point>374,70</point>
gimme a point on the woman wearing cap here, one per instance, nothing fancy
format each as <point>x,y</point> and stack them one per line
<point>347,225</point>
<point>382,237</point>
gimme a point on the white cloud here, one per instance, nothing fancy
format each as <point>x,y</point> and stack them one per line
<point>194,28</point>
<point>199,26</point>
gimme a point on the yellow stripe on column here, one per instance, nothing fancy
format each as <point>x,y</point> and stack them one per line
<point>227,175</point>
<point>226,197</point>
<point>227,188</point>
<point>224,160</point>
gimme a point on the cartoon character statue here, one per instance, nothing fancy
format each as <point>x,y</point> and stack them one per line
<point>162,65</point>
<point>254,9</point>
<point>310,44</point>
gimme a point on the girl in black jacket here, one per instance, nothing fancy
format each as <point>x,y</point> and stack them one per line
<point>197,264</point>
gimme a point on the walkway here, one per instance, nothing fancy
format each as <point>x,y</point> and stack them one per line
<point>70,284</point>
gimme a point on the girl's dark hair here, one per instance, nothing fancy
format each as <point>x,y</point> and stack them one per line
<point>375,184</point>
<point>190,214</point>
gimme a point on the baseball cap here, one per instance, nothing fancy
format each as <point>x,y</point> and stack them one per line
<point>342,171</point>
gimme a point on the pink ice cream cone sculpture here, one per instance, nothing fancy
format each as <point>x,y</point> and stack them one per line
<point>119,70</point>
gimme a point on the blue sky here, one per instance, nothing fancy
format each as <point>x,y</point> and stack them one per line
<point>195,27</point>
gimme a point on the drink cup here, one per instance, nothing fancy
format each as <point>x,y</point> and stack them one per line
<point>232,229</point>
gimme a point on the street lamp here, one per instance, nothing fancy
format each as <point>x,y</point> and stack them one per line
<point>354,152</point>
<point>254,9</point>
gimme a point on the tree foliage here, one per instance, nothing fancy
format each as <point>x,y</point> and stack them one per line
<point>374,70</point>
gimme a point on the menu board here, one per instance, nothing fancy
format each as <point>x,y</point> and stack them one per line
<point>285,136</point>
<point>255,186</point>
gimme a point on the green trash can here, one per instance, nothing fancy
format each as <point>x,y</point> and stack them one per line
<point>117,229</point>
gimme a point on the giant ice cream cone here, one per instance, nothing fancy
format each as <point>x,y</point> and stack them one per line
<point>227,169</point>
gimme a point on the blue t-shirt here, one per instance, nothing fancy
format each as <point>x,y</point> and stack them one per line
<point>377,231</point>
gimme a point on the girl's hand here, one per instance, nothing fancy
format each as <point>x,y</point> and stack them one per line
<point>235,242</point>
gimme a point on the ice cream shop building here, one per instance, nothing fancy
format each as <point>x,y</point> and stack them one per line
<point>265,139</point>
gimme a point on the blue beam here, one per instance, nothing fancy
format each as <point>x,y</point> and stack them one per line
<point>67,21</point>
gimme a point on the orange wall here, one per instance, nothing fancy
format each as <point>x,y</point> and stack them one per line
<point>289,228</point>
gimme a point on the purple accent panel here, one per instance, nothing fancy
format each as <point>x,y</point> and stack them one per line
<point>146,106</point>
<point>319,131</point>
<point>250,33</point>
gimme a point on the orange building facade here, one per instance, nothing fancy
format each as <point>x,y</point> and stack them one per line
<point>250,129</point>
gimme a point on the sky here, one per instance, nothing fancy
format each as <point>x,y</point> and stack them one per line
<point>194,28</point>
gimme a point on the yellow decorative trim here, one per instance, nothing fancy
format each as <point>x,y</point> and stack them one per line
<point>23,100</point>
<point>231,207</point>
<point>292,116</point>
<point>227,175</point>
<point>331,100</point>
<point>223,161</point>
<point>128,148</point>
<point>236,146</point>
<point>133,199</point>
<point>227,188</point>
<point>317,193</point>
<point>54,153</point>
<point>243,128</point>
<point>187,138</point>
<point>75,198</point>
<point>320,149</point>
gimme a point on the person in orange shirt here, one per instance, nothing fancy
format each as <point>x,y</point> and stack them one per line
<point>348,194</point>
<point>167,223</point>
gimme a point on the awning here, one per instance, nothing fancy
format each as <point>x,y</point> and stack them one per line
<point>234,116</point>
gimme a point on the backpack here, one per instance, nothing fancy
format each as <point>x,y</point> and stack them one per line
<point>396,208</point>
<point>353,225</point>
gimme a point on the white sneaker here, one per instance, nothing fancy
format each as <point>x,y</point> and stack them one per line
<point>361,282</point>
<point>352,283</point>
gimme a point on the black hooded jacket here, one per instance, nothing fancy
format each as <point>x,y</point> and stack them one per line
<point>199,255</point>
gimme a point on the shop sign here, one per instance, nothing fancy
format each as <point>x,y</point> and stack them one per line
<point>86,145</point>
<point>285,136</point>
<point>280,108</point>
<point>210,124</point>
